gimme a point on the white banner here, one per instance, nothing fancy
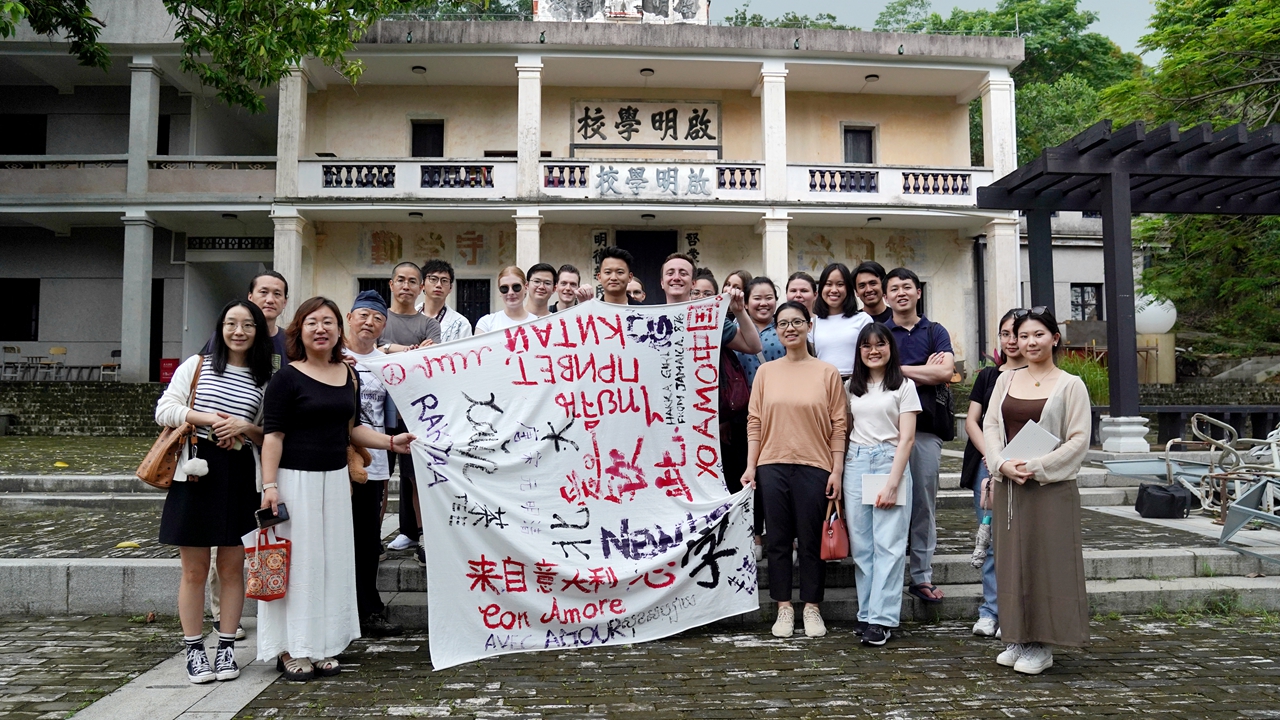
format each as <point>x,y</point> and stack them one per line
<point>570,480</point>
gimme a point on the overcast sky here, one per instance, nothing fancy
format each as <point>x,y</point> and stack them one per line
<point>1124,21</point>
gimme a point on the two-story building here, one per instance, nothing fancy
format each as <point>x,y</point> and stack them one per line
<point>134,205</point>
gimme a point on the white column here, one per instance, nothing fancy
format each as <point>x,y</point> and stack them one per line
<point>528,237</point>
<point>135,315</point>
<point>144,121</point>
<point>1004,284</point>
<point>287,258</point>
<point>776,253</point>
<point>529,127</point>
<point>291,132</point>
<point>773,119</point>
<point>999,128</point>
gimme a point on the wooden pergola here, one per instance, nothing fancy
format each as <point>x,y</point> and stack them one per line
<point>1127,171</point>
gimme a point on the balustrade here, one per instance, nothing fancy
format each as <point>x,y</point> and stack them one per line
<point>457,176</point>
<point>844,181</point>
<point>737,177</point>
<point>565,176</point>
<point>359,176</point>
<point>927,183</point>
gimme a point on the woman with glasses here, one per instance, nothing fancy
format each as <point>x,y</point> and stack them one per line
<point>974,473</point>
<point>838,322</point>
<point>310,417</point>
<point>216,509</point>
<point>704,285</point>
<point>1039,562</point>
<point>542,285</point>
<point>795,449</point>
<point>511,285</point>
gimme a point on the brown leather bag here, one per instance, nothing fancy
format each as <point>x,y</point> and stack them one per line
<point>162,460</point>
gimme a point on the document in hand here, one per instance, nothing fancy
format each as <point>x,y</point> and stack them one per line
<point>1031,442</point>
<point>873,484</point>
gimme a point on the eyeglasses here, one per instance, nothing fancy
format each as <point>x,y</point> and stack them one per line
<point>504,289</point>
<point>234,326</point>
<point>702,293</point>
<point>406,281</point>
<point>326,324</point>
<point>784,324</point>
<point>438,280</point>
<point>541,283</point>
<point>1037,310</point>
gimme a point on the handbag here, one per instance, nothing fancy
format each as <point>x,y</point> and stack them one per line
<point>268,567</point>
<point>1164,501</point>
<point>835,535</point>
<point>358,458</point>
<point>162,460</point>
<point>735,394</point>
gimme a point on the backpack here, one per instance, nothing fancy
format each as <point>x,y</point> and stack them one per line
<point>1164,501</point>
<point>942,414</point>
<point>734,391</point>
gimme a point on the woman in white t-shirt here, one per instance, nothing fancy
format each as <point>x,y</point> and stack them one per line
<point>883,404</point>
<point>837,320</point>
<point>512,287</point>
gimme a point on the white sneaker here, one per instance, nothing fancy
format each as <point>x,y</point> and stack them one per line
<point>402,542</point>
<point>985,627</point>
<point>785,625</point>
<point>759,550</point>
<point>813,625</point>
<point>1011,653</point>
<point>1035,659</point>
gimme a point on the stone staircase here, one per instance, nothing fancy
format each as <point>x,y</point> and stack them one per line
<point>81,408</point>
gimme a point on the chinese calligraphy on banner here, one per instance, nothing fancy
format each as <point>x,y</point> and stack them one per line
<point>624,123</point>
<point>571,483</point>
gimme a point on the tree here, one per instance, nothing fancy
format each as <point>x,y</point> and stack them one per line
<point>72,18</point>
<point>821,21</point>
<point>903,16</point>
<point>1051,114</point>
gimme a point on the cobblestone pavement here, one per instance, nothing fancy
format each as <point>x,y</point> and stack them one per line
<point>51,667</point>
<point>1222,668</point>
<point>82,455</point>
<point>80,533</point>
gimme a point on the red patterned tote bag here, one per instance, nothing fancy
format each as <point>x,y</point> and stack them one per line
<point>268,567</point>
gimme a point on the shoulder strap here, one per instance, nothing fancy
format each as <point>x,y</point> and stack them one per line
<point>355,394</point>
<point>195,380</point>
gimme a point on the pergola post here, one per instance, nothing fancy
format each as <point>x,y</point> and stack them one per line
<point>1125,430</point>
<point>1040,258</point>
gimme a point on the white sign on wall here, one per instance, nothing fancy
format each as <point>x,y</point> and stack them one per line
<point>680,125</point>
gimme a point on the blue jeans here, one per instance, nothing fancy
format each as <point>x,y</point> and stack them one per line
<point>878,537</point>
<point>988,607</point>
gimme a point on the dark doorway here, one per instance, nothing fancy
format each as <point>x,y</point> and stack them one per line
<point>157,328</point>
<point>650,248</point>
<point>428,138</point>
<point>473,299</point>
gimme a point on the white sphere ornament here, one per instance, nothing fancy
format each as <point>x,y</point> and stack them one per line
<point>1154,317</point>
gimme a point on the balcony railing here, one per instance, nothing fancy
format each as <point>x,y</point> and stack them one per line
<point>49,176</point>
<point>935,183</point>
<point>212,174</point>
<point>650,180</point>
<point>885,185</point>
<point>457,176</point>
<point>490,178</point>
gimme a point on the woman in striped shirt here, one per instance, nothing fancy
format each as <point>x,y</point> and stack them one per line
<point>216,509</point>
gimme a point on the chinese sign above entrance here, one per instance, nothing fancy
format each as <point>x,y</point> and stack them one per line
<point>678,125</point>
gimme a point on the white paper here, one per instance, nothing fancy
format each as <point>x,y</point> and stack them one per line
<point>1031,442</point>
<point>873,484</point>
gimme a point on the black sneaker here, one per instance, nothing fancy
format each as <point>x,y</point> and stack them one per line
<point>198,670</point>
<point>224,663</point>
<point>876,635</point>
<point>421,556</point>
<point>376,626</point>
<point>860,628</point>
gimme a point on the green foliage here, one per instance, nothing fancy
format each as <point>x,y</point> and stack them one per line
<point>1221,272</point>
<point>903,16</point>
<point>1049,114</point>
<point>1092,372</point>
<point>71,18</point>
<point>821,21</point>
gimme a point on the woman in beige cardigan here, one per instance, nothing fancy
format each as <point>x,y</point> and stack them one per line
<point>1039,562</point>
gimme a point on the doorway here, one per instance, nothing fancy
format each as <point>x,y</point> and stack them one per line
<point>650,248</point>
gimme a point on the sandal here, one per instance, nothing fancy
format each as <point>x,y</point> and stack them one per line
<point>926,592</point>
<point>295,668</point>
<point>327,667</point>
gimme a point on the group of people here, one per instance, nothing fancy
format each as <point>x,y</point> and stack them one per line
<point>845,403</point>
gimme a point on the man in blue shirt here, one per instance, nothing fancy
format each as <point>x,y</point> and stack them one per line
<point>924,348</point>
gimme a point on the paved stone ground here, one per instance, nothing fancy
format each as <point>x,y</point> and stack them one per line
<point>82,455</point>
<point>51,667</point>
<point>1215,668</point>
<point>1099,531</point>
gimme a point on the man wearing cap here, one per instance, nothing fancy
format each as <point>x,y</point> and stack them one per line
<point>365,323</point>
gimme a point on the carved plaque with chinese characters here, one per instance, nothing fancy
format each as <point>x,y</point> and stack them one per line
<point>679,125</point>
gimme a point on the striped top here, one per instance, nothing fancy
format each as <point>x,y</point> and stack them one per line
<point>232,392</point>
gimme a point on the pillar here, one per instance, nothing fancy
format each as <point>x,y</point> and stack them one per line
<point>1040,258</point>
<point>773,119</point>
<point>144,123</point>
<point>135,315</point>
<point>999,129</point>
<point>287,258</point>
<point>529,127</point>
<point>1124,431</point>
<point>776,254</point>
<point>528,238</point>
<point>1003,267</point>
<point>291,133</point>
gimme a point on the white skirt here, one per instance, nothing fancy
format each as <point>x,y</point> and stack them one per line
<point>317,617</point>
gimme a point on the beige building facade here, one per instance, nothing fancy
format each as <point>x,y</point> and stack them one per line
<point>490,144</point>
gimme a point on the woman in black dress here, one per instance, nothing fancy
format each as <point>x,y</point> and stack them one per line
<point>216,509</point>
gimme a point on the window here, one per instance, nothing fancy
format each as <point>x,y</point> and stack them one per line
<point>473,299</point>
<point>23,134</point>
<point>1086,302</point>
<point>428,138</point>
<point>21,320</point>
<point>162,134</point>
<point>382,285</point>
<point>857,145</point>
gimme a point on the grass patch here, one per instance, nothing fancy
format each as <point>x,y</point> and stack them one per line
<point>1223,607</point>
<point>1092,372</point>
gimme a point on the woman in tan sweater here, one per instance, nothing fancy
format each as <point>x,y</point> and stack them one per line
<point>1039,562</point>
<point>795,444</point>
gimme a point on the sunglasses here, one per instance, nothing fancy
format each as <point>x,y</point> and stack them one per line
<point>1037,310</point>
<point>504,289</point>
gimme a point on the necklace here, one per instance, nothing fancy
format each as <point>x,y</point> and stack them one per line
<point>1043,377</point>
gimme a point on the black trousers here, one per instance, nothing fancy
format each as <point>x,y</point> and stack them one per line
<point>408,485</point>
<point>794,503</point>
<point>733,456</point>
<point>366,526</point>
